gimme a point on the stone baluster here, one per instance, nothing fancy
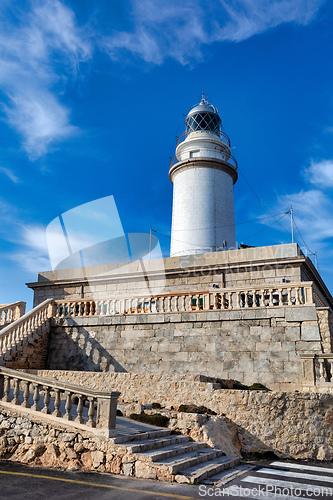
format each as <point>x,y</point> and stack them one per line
<point>47,399</point>
<point>6,397</point>
<point>183,302</point>
<point>26,394</point>
<point>68,406</point>
<point>214,301</point>
<point>91,412</point>
<point>323,375</point>
<point>79,409</point>
<point>16,400</point>
<point>57,403</point>
<point>36,398</point>
<point>280,297</point>
<point>238,295</point>
<point>297,296</point>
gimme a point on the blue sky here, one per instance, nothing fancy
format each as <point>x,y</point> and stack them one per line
<point>93,95</point>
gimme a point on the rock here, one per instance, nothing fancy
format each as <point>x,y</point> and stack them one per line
<point>128,469</point>
<point>5,424</point>
<point>28,440</point>
<point>29,456</point>
<point>97,458</point>
<point>87,460</point>
<point>115,465</point>
<point>67,437</point>
<point>78,447</point>
<point>144,471</point>
<point>71,454</point>
<point>50,456</point>
<point>179,478</point>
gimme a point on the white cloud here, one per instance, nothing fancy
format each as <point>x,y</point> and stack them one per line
<point>178,30</point>
<point>313,213</point>
<point>320,173</point>
<point>10,174</point>
<point>31,47</point>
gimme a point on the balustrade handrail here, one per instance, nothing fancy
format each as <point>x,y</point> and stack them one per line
<point>249,296</point>
<point>8,312</point>
<point>55,384</point>
<point>10,305</point>
<point>103,422</point>
<point>26,316</point>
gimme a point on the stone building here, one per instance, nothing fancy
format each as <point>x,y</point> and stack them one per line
<point>251,314</point>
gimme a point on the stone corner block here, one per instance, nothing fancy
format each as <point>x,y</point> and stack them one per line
<point>302,313</point>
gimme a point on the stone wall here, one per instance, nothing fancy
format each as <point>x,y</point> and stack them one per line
<point>32,353</point>
<point>33,441</point>
<point>249,345</point>
<point>297,425</point>
<point>251,266</point>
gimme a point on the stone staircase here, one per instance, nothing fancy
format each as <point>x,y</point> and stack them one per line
<point>23,343</point>
<point>176,457</point>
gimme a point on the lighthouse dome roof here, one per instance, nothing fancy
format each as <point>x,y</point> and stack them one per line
<point>203,106</point>
<point>203,117</point>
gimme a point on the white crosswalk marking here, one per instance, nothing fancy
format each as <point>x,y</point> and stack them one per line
<point>301,467</point>
<point>279,483</point>
<point>299,475</point>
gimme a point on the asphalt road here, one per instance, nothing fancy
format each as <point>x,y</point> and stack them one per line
<point>270,480</point>
<point>20,482</point>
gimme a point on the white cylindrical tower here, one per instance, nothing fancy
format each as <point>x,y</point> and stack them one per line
<point>203,175</point>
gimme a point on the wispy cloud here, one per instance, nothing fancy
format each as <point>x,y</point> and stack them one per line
<point>320,173</point>
<point>179,30</point>
<point>10,174</point>
<point>31,47</point>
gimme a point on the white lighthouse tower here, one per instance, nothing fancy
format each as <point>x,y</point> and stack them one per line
<point>203,176</point>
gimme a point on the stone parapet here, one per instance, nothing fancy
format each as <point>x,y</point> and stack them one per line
<point>250,345</point>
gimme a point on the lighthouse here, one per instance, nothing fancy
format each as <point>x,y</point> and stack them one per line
<point>203,173</point>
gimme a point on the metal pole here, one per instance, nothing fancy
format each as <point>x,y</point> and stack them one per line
<point>316,260</point>
<point>292,224</point>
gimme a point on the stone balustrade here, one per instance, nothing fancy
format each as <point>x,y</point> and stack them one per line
<point>61,401</point>
<point>317,369</point>
<point>25,326</point>
<point>11,312</point>
<point>274,295</point>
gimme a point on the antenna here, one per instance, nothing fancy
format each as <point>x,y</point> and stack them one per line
<point>292,224</point>
<point>150,242</point>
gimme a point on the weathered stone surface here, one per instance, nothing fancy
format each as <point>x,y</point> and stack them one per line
<point>310,333</point>
<point>182,347</point>
<point>303,313</point>
<point>145,471</point>
<point>97,458</point>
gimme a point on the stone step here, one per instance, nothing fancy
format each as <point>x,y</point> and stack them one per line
<point>172,451</point>
<point>140,436</point>
<point>227,475</point>
<point>153,444</point>
<point>199,472</point>
<point>174,465</point>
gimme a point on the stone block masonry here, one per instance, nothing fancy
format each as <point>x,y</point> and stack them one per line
<point>261,345</point>
<point>291,424</point>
